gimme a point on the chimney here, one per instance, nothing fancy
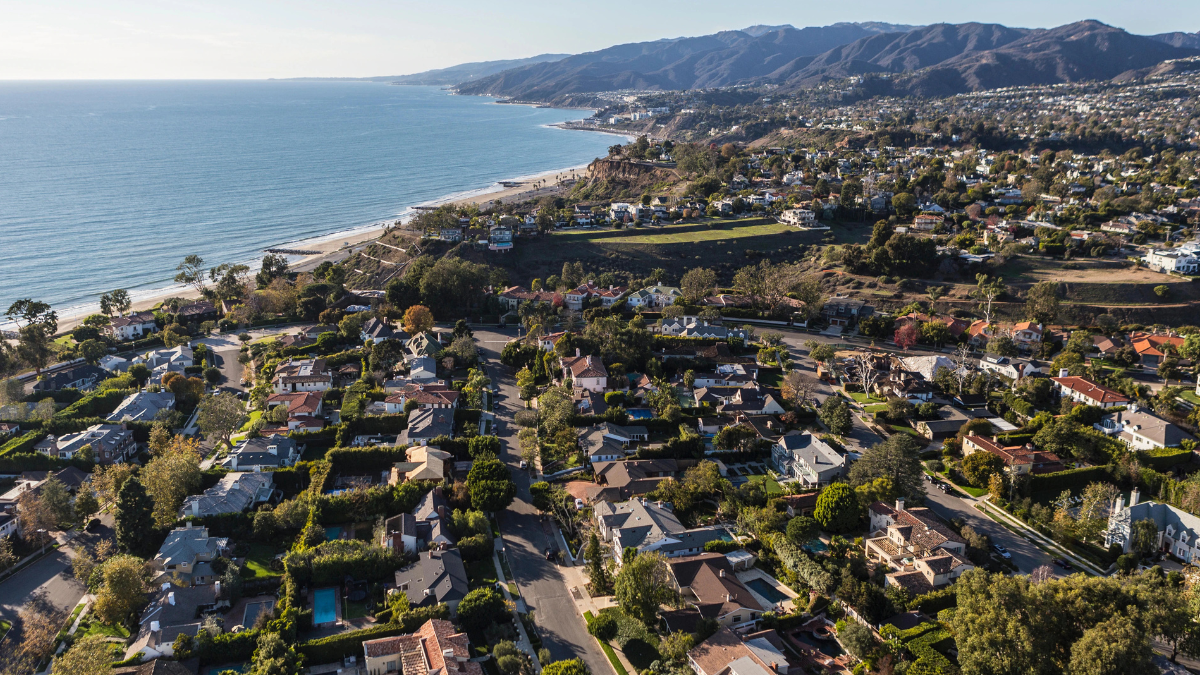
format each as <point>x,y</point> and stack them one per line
<point>722,574</point>
<point>577,354</point>
<point>428,592</point>
<point>155,626</point>
<point>448,659</point>
<point>195,509</point>
<point>171,598</point>
<point>1120,504</point>
<point>273,449</point>
<point>728,598</point>
<point>1063,372</point>
<point>217,587</point>
<point>1134,496</point>
<point>900,504</point>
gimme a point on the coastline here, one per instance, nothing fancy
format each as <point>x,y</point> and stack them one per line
<point>338,245</point>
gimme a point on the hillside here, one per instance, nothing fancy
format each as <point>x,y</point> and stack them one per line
<point>933,60</point>
<point>465,72</point>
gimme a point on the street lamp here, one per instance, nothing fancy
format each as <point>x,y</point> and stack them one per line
<point>42,534</point>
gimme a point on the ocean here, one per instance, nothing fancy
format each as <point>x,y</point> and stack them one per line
<point>107,185</point>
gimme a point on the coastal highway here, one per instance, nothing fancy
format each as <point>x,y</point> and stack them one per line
<point>543,586</point>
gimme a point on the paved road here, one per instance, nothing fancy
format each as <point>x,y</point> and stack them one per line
<point>542,586</point>
<point>50,577</point>
<point>1024,553</point>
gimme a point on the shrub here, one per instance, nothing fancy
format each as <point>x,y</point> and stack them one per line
<point>332,561</point>
<point>480,608</point>
<point>336,647</point>
<point>603,627</point>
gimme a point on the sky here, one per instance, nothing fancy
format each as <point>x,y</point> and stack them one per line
<point>254,39</point>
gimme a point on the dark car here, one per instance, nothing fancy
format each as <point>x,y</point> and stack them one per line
<point>92,525</point>
<point>1063,563</point>
<point>549,554</point>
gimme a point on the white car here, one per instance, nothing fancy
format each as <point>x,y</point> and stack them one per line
<point>524,464</point>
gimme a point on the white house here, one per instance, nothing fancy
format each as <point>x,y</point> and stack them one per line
<point>808,459</point>
<point>1176,260</point>
<point>587,372</point>
<point>1087,392</point>
<point>798,217</point>
<point>654,296</point>
<point>1178,532</point>
<point>132,327</point>
<point>1142,431</point>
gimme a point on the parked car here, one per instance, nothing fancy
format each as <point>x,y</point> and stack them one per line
<point>1002,551</point>
<point>549,553</point>
<point>1063,563</point>
<point>524,464</point>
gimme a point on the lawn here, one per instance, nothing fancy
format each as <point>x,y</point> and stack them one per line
<point>865,398</point>
<point>904,429</point>
<point>481,573</point>
<point>258,562</point>
<point>1190,396</point>
<point>4,626</point>
<point>250,420</point>
<point>684,233</point>
<point>973,491</point>
<point>774,489</point>
<point>877,407</point>
<point>770,377</point>
<point>355,610</point>
<point>94,627</point>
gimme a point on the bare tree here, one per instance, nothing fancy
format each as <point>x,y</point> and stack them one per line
<point>798,387</point>
<point>1041,573</point>
<point>868,374</point>
<point>961,356</point>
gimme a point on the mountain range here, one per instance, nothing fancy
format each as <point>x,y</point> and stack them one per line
<point>935,60</point>
<point>465,72</point>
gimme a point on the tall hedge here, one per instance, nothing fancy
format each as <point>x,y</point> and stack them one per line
<point>1071,479</point>
<point>22,444</point>
<point>336,647</point>
<point>95,404</point>
<point>332,561</point>
<point>1162,459</point>
<point>353,461</point>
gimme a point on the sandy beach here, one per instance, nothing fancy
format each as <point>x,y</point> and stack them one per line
<point>336,247</point>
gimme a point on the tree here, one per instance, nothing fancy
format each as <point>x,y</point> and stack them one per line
<point>464,351</point>
<point>417,319</point>
<point>835,414</point>
<point>220,416</point>
<point>92,351</point>
<point>904,203</point>
<point>1117,646</point>
<point>89,656</point>
<point>191,273</point>
<point>490,484</point>
<point>86,503</point>
<point>1143,537</point>
<point>569,667</point>
<point>273,267</point>
<point>274,657</point>
<point>134,516</point>
<point>858,639</point>
<point>599,582</point>
<point>170,477</point>
<point>676,646</point>
<point>896,459</point>
<point>57,500</point>
<point>1041,303</point>
<point>1094,509</point>
<point>115,302</point>
<point>604,627</point>
<point>906,336</point>
<point>644,584</point>
<point>480,608</point>
<point>987,291</point>
<point>39,623</point>
<point>697,284</point>
<point>122,592</point>
<point>801,530</point>
<point>979,467</point>
<point>36,519</point>
<point>837,508</point>
<point>798,388</point>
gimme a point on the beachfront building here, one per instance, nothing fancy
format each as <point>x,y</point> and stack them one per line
<point>131,326</point>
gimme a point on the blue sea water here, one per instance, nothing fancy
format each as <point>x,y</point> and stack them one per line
<point>108,185</point>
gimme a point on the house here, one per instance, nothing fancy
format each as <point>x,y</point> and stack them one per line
<point>708,585</point>
<point>801,504</point>
<point>980,332</point>
<point>649,526</point>
<point>113,363</point>
<point>400,533</point>
<point>1117,227</point>
<point>844,311</point>
<point>432,516</point>
<point>1152,348</point>
<point>1173,260</point>
<point>1018,459</point>
<point>634,477</point>
<point>1178,532</point>
<point>377,331</point>
<point>424,463</point>
<point>182,356</point>
<point>422,370</point>
<point>1142,431</point>
<point>1027,334</point>
<point>109,443</point>
<point>808,459</point>
<point>173,611</point>
<point>426,396</point>
<point>801,218</point>
<point>132,326</point>
<point>586,372</point>
<point>8,430</point>
<point>265,452</point>
<point>197,312</point>
<point>900,536</point>
<point>142,406</point>
<point>425,344</point>
<point>912,387</point>
<point>550,340</point>
<point>234,493</point>
<point>588,402</point>
<point>928,573</point>
<point>927,222</point>
<point>302,375</point>
<point>724,653</point>
<point>437,577</point>
<point>188,551</point>
<point>1011,369</point>
<point>514,296</point>
<point>625,435</point>
<point>435,649</point>
<point>301,403</point>
<point>947,424</point>
<point>1085,391</point>
<point>500,238</point>
<point>654,296</point>
<point>599,447</point>
<point>750,400</point>
<point>608,296</point>
<point>82,377</point>
<point>9,524</point>
<point>426,424</point>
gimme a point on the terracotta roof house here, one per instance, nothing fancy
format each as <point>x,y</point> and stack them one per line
<point>586,372</point>
<point>1085,391</point>
<point>928,574</point>
<point>1152,348</point>
<point>435,649</point>
<point>514,296</point>
<point>426,395</point>
<point>1027,333</point>
<point>131,326</point>
<point>900,535</point>
<point>1018,459</point>
<point>708,584</point>
<point>724,653</point>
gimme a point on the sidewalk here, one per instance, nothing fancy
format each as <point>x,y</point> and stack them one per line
<point>577,580</point>
<point>523,642</point>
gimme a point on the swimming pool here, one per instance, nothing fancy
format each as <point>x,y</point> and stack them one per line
<point>332,533</point>
<point>826,647</point>
<point>324,606</point>
<point>766,590</point>
<point>815,546</point>
<point>640,413</point>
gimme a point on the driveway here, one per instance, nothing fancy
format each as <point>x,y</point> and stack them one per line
<point>542,585</point>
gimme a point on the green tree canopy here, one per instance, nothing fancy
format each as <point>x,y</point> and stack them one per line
<point>837,508</point>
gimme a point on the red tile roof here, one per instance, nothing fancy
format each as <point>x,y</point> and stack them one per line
<point>1088,389</point>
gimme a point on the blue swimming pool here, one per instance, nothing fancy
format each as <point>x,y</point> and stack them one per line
<point>324,606</point>
<point>332,533</point>
<point>766,590</point>
<point>640,413</point>
<point>815,546</point>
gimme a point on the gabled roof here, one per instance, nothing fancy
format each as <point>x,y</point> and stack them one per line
<point>585,366</point>
<point>1088,389</point>
<point>436,577</point>
<point>710,577</point>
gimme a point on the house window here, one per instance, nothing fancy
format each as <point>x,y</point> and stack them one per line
<point>737,618</point>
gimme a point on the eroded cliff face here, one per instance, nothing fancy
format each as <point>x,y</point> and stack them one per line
<point>614,169</point>
<point>618,179</point>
